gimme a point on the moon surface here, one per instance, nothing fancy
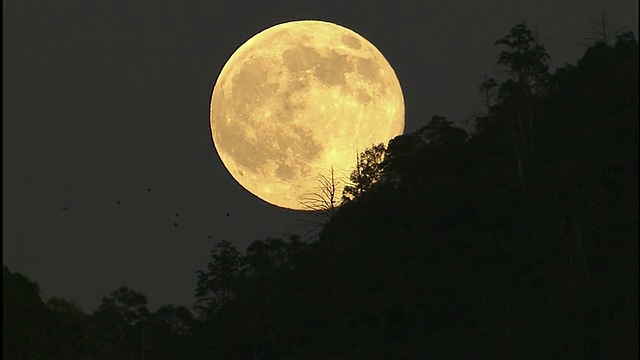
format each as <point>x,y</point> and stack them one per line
<point>298,99</point>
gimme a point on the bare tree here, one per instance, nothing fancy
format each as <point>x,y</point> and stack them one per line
<point>324,202</point>
<point>600,30</point>
<point>489,90</point>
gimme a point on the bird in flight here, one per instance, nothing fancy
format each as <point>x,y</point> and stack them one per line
<point>118,202</point>
<point>65,208</point>
<point>175,224</point>
<point>228,213</point>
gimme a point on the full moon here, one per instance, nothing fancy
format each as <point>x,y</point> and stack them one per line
<point>297,100</point>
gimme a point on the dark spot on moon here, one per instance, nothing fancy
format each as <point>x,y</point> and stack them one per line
<point>290,146</point>
<point>351,42</point>
<point>285,172</point>
<point>290,104</point>
<point>300,58</point>
<point>363,96</point>
<point>368,68</point>
<point>304,144</point>
<point>331,68</point>
<point>293,151</point>
<point>298,84</point>
<point>250,86</point>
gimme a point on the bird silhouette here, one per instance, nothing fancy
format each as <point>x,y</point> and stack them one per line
<point>175,224</point>
<point>228,213</point>
<point>177,214</point>
<point>118,202</point>
<point>148,190</point>
<point>65,208</point>
<point>209,237</point>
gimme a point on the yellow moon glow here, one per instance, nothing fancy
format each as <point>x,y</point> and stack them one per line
<point>296,100</point>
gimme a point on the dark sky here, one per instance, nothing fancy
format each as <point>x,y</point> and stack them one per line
<point>105,99</point>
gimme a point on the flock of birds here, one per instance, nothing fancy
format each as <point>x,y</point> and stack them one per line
<point>175,223</point>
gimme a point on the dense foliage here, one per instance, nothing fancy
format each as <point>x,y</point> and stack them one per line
<point>519,240</point>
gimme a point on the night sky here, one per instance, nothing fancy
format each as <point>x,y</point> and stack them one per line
<point>104,100</point>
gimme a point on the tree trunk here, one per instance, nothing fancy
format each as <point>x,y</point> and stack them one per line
<point>143,341</point>
<point>520,175</point>
<point>531,118</point>
<point>524,140</point>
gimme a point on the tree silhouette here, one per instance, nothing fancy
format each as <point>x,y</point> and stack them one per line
<point>525,62</point>
<point>169,333</point>
<point>367,173</point>
<point>24,317</point>
<point>119,325</point>
<point>217,286</point>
